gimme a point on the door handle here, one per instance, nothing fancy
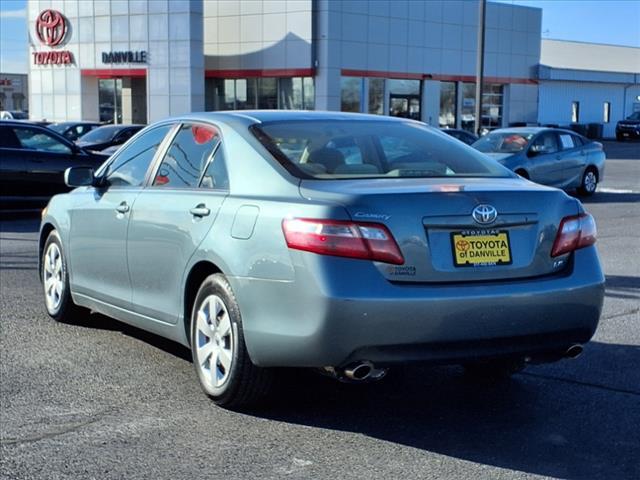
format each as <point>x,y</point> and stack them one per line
<point>200,210</point>
<point>122,208</point>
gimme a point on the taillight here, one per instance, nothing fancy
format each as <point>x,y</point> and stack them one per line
<point>367,241</point>
<point>575,232</point>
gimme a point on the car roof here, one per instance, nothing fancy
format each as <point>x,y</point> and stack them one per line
<point>533,130</point>
<point>263,116</point>
<point>76,123</point>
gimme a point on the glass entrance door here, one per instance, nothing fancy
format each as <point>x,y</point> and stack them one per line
<point>406,106</point>
<point>110,100</point>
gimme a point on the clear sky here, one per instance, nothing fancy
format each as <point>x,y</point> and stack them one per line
<point>616,22</point>
<point>600,21</point>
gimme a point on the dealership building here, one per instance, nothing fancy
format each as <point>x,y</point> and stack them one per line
<point>137,61</point>
<point>140,61</point>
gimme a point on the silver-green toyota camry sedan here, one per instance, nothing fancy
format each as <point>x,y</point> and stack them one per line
<point>345,243</point>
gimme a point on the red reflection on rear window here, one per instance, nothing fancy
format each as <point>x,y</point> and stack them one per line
<point>202,134</point>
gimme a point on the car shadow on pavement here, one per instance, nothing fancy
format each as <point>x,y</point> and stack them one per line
<point>622,286</point>
<point>610,197</point>
<point>553,420</point>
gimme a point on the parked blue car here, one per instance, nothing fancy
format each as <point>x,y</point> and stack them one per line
<point>346,243</point>
<point>550,156</point>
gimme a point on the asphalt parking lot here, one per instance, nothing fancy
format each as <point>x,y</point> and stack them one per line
<point>103,400</point>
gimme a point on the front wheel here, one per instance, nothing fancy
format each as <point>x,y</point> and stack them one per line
<point>220,356</point>
<point>589,183</point>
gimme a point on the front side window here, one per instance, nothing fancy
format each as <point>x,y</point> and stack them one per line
<point>502,142</point>
<point>34,139</point>
<point>130,166</point>
<point>545,144</point>
<point>187,156</point>
<point>348,149</point>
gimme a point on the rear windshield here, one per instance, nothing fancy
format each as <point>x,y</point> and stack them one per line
<point>503,142</point>
<point>100,135</point>
<point>337,149</point>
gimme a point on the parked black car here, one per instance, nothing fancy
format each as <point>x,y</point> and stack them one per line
<point>33,159</point>
<point>629,127</point>
<point>73,130</point>
<point>462,135</point>
<point>107,136</point>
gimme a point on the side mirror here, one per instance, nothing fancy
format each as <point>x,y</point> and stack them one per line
<point>78,177</point>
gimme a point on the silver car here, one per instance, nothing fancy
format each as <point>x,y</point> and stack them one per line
<point>550,156</point>
<point>340,242</point>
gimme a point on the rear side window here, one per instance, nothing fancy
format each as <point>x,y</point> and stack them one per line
<point>130,166</point>
<point>348,149</point>
<point>567,141</point>
<point>215,177</point>
<point>35,139</point>
<point>187,156</point>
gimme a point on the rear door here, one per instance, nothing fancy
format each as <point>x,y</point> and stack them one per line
<point>172,216</point>
<point>574,158</point>
<point>99,222</point>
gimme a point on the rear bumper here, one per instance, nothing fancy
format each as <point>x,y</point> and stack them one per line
<point>338,311</point>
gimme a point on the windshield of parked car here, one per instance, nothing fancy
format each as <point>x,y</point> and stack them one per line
<point>634,116</point>
<point>101,134</point>
<point>503,142</point>
<point>336,149</point>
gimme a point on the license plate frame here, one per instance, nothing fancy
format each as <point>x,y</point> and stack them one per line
<point>460,255</point>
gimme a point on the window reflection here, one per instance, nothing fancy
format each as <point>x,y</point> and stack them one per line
<point>350,91</point>
<point>447,118</point>
<point>259,93</point>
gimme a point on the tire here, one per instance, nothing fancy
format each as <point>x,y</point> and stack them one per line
<point>494,370</point>
<point>234,381</point>
<point>619,138</point>
<point>55,282</point>
<point>589,182</point>
<point>523,174</point>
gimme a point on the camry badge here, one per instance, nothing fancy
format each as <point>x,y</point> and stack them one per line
<point>484,214</point>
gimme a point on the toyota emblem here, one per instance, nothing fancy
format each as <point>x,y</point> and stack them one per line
<point>484,214</point>
<point>51,27</point>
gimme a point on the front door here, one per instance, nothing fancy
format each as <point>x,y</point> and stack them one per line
<point>545,160</point>
<point>100,219</point>
<point>172,217</point>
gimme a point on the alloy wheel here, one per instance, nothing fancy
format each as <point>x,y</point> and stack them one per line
<point>590,182</point>
<point>214,341</point>
<point>53,277</point>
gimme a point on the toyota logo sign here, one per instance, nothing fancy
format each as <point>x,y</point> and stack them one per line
<point>51,27</point>
<point>484,214</point>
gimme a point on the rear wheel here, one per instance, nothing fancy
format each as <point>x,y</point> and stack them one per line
<point>494,370</point>
<point>523,174</point>
<point>55,281</point>
<point>589,183</point>
<point>619,138</point>
<point>220,356</point>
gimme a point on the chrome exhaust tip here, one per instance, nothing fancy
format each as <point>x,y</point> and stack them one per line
<point>358,371</point>
<point>574,351</point>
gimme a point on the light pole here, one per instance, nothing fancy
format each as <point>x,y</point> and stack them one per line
<point>482,8</point>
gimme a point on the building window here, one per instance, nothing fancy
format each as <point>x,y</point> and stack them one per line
<point>376,96</point>
<point>492,106</point>
<point>575,112</point>
<point>259,93</point>
<point>404,98</point>
<point>447,118</point>
<point>350,93</point>
<point>606,113</point>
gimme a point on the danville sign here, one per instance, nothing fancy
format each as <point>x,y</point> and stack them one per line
<point>127,56</point>
<point>51,29</point>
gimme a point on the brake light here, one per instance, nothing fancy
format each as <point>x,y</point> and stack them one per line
<point>575,232</point>
<point>366,241</point>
